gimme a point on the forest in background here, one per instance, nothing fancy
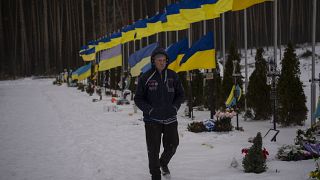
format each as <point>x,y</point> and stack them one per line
<point>42,37</point>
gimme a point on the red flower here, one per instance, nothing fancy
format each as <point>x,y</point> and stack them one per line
<point>244,151</point>
<point>265,153</point>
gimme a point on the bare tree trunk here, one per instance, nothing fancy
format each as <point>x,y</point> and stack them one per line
<point>291,20</point>
<point>24,43</point>
<point>93,20</point>
<point>39,39</point>
<point>266,39</point>
<point>119,7</point>
<point>35,35</point>
<point>83,23</point>
<point>46,38</point>
<point>75,32</point>
<point>251,30</point>
<point>2,51</point>
<point>69,32</point>
<point>114,15</point>
<point>14,62</point>
<point>59,38</point>
<point>53,32</point>
<point>100,18</point>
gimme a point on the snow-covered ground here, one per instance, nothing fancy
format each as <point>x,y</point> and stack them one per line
<point>52,132</point>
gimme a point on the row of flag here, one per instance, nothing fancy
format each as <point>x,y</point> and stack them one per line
<point>82,73</point>
<point>108,59</point>
<point>201,55</point>
<point>177,16</point>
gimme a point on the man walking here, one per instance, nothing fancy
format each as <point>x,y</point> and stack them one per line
<point>159,95</point>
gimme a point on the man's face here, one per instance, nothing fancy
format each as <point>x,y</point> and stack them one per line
<point>160,62</point>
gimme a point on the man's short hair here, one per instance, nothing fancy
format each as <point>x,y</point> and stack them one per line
<point>160,56</point>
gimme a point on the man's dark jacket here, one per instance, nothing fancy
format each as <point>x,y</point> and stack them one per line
<point>159,96</point>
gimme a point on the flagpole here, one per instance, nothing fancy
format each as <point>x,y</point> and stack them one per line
<point>147,40</point>
<point>190,79</point>
<point>157,34</point>
<point>140,43</point>
<point>128,54</point>
<point>115,70</point>
<point>147,36</point>
<point>177,36</point>
<point>109,77</point>
<point>223,41</point>
<point>98,74</point>
<point>275,14</point>
<point>275,31</point>
<point>204,79</point>
<point>166,38</point>
<point>158,11</point>
<point>215,84</point>
<point>122,70</point>
<point>313,85</point>
<point>245,59</point>
<point>134,39</point>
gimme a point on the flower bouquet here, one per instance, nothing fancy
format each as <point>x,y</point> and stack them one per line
<point>265,153</point>
<point>223,120</point>
<point>293,153</point>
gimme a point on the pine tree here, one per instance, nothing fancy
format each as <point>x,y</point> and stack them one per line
<point>197,88</point>
<point>258,89</point>
<point>254,161</point>
<point>292,100</point>
<point>208,94</point>
<point>228,81</point>
<point>184,82</point>
<point>219,101</point>
<point>212,91</point>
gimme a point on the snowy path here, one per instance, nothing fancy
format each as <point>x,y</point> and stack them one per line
<point>56,133</point>
<point>44,134</point>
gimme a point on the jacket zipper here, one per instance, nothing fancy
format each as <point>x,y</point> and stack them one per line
<point>161,89</point>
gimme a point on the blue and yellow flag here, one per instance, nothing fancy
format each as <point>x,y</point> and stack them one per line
<point>83,48</point>
<point>171,26</point>
<point>317,113</point>
<point>139,59</point>
<point>201,55</point>
<point>213,8</point>
<point>88,55</point>
<point>84,72</point>
<point>146,68</point>
<point>115,39</point>
<point>154,24</point>
<point>175,52</point>
<point>243,4</point>
<point>209,8</point>
<point>128,33</point>
<point>92,44</point>
<point>231,101</point>
<point>141,29</point>
<point>110,58</point>
<point>74,75</point>
<point>173,20</point>
<point>102,45</point>
<point>191,10</point>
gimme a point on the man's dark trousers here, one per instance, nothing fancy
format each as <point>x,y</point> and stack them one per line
<point>170,140</point>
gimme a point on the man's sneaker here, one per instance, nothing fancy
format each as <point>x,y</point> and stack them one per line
<point>165,170</point>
